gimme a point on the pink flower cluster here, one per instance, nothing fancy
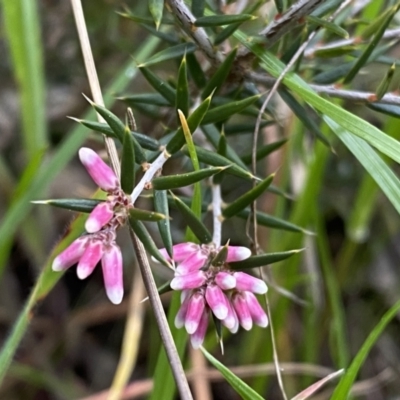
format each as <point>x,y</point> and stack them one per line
<point>206,288</point>
<point>101,226</point>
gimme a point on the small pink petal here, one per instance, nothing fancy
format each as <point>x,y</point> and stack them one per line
<point>225,280</point>
<point>100,172</point>
<point>185,294</point>
<point>192,263</point>
<point>181,314</point>
<point>89,259</point>
<point>113,273</point>
<point>259,316</point>
<point>242,311</point>
<point>217,301</point>
<point>182,251</point>
<point>194,312</point>
<point>99,216</point>
<point>197,338</point>
<point>237,253</point>
<point>247,282</point>
<point>231,321</point>
<point>189,281</point>
<point>70,255</point>
<point>164,253</point>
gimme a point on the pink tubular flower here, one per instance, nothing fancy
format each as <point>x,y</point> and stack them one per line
<point>198,337</point>
<point>214,288</point>
<point>100,216</point>
<point>100,172</point>
<point>112,273</point>
<point>101,226</point>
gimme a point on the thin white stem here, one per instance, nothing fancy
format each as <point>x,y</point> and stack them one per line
<point>274,350</point>
<point>309,53</point>
<point>155,166</point>
<point>216,209</point>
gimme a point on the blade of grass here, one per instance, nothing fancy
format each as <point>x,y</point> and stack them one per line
<point>348,121</point>
<point>338,320</point>
<point>372,162</point>
<point>22,27</point>
<point>343,389</point>
<point>196,201</point>
<point>363,59</point>
<point>156,10</point>
<point>244,390</point>
<point>45,282</point>
<point>45,380</point>
<point>363,210</point>
<point>307,393</point>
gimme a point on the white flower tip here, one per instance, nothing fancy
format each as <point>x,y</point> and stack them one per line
<point>243,253</point>
<point>86,154</point>
<point>220,311</point>
<point>238,253</point>
<point>229,282</point>
<point>92,225</point>
<point>260,287</point>
<point>179,322</point>
<point>82,272</point>
<point>247,324</point>
<point>191,327</point>
<point>175,284</point>
<point>115,294</point>
<point>57,266</point>
<point>263,322</point>
<point>230,322</point>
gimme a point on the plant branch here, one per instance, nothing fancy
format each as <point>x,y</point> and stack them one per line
<point>309,53</point>
<point>154,167</point>
<point>166,337</point>
<point>289,20</point>
<point>216,209</point>
<point>165,333</point>
<point>333,91</point>
<point>92,77</point>
<point>198,34</point>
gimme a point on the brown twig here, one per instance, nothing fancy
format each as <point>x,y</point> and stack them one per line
<point>200,381</point>
<point>199,35</point>
<point>309,53</point>
<point>165,333</point>
<point>142,387</point>
<point>132,333</point>
<point>289,20</point>
<point>92,77</point>
<point>356,96</point>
